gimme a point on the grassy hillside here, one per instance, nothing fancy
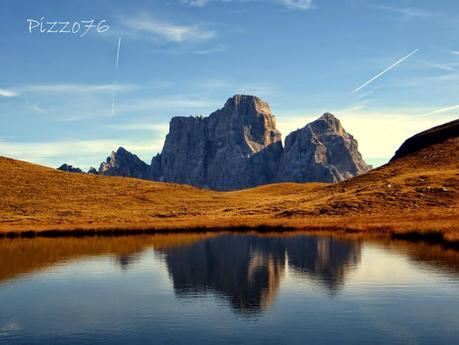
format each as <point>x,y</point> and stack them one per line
<point>416,192</point>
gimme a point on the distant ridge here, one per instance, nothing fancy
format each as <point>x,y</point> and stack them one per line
<point>69,168</point>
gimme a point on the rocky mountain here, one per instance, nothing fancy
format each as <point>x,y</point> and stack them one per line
<point>239,147</point>
<point>321,151</point>
<point>235,147</point>
<point>69,168</point>
<point>124,163</point>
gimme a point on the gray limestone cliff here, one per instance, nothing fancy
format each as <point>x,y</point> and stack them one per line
<point>235,147</point>
<point>124,163</point>
<point>322,151</point>
<point>239,146</point>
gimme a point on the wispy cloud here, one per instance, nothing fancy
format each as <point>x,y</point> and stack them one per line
<point>76,152</point>
<point>444,67</point>
<point>212,50</point>
<point>197,3</point>
<point>76,88</point>
<point>232,87</point>
<point>442,110</point>
<point>297,4</point>
<point>291,4</point>
<point>7,93</point>
<point>145,24</point>
<point>168,103</point>
<point>447,80</point>
<point>140,126</point>
<point>36,109</point>
<point>406,11</point>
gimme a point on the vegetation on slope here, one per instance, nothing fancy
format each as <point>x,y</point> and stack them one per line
<point>416,192</point>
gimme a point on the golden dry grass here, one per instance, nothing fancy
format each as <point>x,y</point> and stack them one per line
<point>20,256</point>
<point>418,192</point>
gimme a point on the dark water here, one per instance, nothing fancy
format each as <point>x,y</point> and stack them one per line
<point>227,289</point>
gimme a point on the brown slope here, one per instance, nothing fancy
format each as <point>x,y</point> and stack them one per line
<point>418,191</point>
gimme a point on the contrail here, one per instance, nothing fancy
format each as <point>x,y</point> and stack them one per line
<point>442,110</point>
<point>118,53</point>
<point>116,70</point>
<point>386,70</point>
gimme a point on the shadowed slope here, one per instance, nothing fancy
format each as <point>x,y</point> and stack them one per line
<point>429,137</point>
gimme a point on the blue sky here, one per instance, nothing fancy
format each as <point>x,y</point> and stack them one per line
<point>186,57</point>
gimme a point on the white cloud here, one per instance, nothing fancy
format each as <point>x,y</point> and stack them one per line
<point>166,31</point>
<point>77,88</point>
<point>169,104</point>
<point>197,3</point>
<point>292,4</point>
<point>406,11</point>
<point>297,4</point>
<point>140,126</point>
<point>36,109</point>
<point>7,93</point>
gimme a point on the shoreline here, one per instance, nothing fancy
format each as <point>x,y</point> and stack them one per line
<point>415,236</point>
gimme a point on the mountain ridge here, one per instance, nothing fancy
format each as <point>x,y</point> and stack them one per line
<point>418,192</point>
<point>238,146</point>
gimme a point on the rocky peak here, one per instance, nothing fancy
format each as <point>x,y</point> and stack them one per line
<point>69,168</point>
<point>327,124</point>
<point>246,104</point>
<point>124,163</point>
<point>239,146</point>
<point>222,151</point>
<point>321,151</point>
<point>329,117</point>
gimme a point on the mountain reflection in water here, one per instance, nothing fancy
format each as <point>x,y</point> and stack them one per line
<point>248,269</point>
<point>245,269</point>
<point>223,288</point>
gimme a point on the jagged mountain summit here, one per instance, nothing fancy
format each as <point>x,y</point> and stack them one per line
<point>124,163</point>
<point>235,147</point>
<point>69,168</point>
<point>321,151</point>
<point>239,147</point>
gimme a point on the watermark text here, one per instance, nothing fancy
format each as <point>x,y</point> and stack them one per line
<point>80,27</point>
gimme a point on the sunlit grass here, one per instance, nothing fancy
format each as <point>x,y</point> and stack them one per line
<point>416,193</point>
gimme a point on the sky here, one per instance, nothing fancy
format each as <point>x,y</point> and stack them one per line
<point>74,97</point>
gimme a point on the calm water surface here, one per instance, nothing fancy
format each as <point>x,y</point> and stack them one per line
<point>227,289</point>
